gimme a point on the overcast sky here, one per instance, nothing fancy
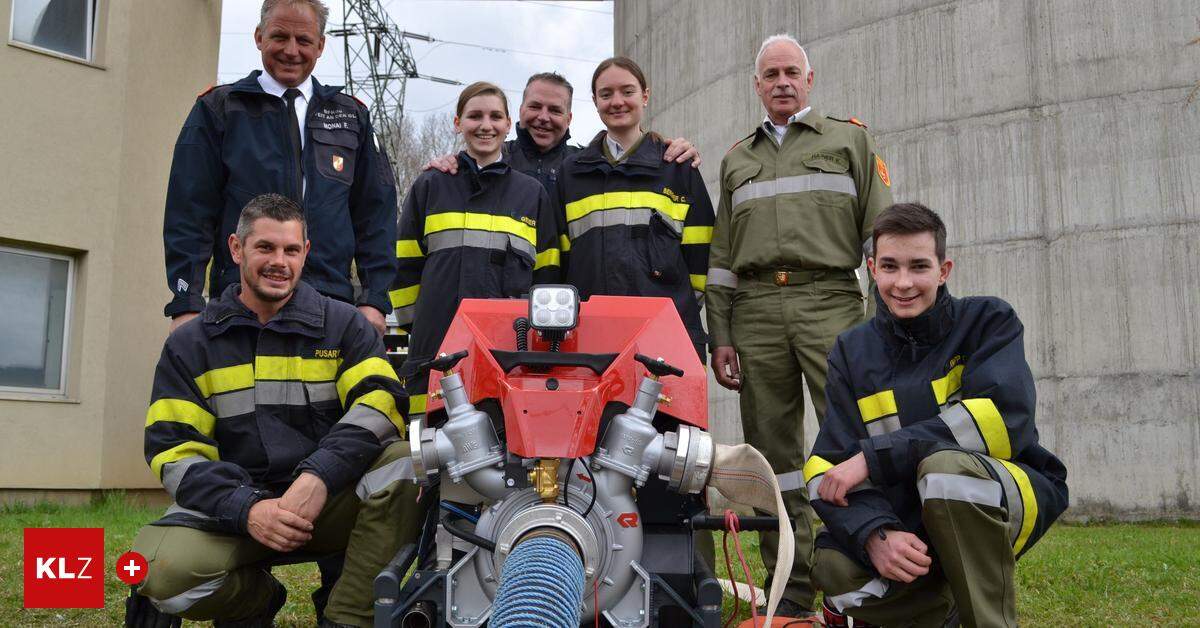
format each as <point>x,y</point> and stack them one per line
<point>579,30</point>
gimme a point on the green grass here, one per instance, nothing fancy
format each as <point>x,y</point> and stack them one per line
<point>1091,575</point>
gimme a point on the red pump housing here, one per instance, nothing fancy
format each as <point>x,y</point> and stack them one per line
<point>561,418</point>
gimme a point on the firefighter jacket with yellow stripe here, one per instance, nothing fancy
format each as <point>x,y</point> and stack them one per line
<point>482,233</point>
<point>807,203</point>
<point>954,377</point>
<point>639,227</point>
<point>239,408</point>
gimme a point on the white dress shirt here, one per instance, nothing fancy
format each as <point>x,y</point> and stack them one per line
<point>776,131</point>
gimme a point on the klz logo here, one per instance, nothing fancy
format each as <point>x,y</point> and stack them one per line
<point>628,519</point>
<point>64,568</point>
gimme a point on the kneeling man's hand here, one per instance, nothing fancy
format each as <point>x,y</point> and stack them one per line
<point>305,497</point>
<point>842,479</point>
<point>900,556</point>
<point>278,529</point>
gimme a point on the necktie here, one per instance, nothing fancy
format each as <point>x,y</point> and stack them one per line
<point>294,137</point>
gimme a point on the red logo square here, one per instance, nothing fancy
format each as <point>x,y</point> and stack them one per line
<point>64,568</point>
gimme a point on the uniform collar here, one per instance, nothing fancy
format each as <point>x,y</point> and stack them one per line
<point>250,84</point>
<point>807,116</point>
<point>275,88</point>
<point>647,154</point>
<point>303,314</point>
<point>927,329</point>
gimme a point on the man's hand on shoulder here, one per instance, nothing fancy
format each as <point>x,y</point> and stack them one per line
<point>842,479</point>
<point>898,555</point>
<point>179,320</point>
<point>305,497</point>
<point>680,150</point>
<point>277,528</point>
<point>445,163</point>
<point>725,367</point>
<point>375,318</point>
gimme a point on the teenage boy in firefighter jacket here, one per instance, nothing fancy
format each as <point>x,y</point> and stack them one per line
<point>927,471</point>
<point>266,411</point>
<point>636,225</point>
<point>485,232</point>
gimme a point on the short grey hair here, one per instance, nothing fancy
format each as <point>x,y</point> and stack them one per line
<point>776,39</point>
<point>317,6</point>
<point>273,206</point>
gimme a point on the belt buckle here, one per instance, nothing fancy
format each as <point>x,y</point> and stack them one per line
<point>781,278</point>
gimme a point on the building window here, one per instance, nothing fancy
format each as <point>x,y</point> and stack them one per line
<point>63,26</point>
<point>35,296</point>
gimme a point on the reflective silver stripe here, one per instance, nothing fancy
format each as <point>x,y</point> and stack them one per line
<point>962,426</point>
<point>821,181</point>
<point>179,603</point>
<point>176,509</point>
<point>372,420</point>
<point>875,588</point>
<point>1012,499</point>
<point>322,391</point>
<point>618,216</point>
<point>233,403</point>
<point>381,478</point>
<point>790,481</point>
<point>172,473</point>
<point>721,277</point>
<point>280,393</point>
<point>498,240</point>
<point>404,315</point>
<point>959,488</point>
<point>886,425</point>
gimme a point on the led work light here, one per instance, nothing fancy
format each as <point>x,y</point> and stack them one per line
<point>553,307</point>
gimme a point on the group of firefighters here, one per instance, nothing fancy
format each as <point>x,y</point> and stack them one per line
<point>276,422</point>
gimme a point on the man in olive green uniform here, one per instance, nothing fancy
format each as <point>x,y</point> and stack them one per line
<point>798,197</point>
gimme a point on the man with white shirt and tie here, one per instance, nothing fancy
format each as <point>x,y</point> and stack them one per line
<point>798,197</point>
<point>281,131</point>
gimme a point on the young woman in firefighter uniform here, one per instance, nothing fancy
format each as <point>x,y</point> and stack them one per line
<point>636,225</point>
<point>927,471</point>
<point>485,232</point>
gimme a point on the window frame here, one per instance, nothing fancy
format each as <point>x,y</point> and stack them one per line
<point>10,392</point>
<point>93,21</point>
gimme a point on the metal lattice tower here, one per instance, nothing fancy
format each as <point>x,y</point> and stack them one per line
<point>375,47</point>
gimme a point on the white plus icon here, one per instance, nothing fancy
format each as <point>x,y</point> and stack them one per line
<point>132,568</point>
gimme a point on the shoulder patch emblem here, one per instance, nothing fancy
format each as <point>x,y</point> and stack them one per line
<point>206,90</point>
<point>882,171</point>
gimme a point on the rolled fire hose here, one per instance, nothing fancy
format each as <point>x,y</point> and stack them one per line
<point>743,476</point>
<point>541,586</point>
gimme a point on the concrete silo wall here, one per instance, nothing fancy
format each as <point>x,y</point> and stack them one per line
<point>1054,138</point>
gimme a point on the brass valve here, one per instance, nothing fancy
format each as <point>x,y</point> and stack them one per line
<point>544,478</point>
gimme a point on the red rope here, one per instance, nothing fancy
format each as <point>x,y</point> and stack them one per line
<point>733,525</point>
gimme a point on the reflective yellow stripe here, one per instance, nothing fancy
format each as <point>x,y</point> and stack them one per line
<point>179,452</point>
<point>361,371</point>
<point>948,385</point>
<point>698,282</point>
<point>404,297</point>
<point>408,248</point>
<point>564,243</point>
<point>549,257</point>
<point>1028,500</point>
<point>385,403</point>
<point>181,411</point>
<point>877,406</point>
<point>991,426</point>
<point>416,404</point>
<point>225,379</point>
<point>296,368</point>
<point>697,235</point>
<point>815,466</point>
<point>480,222</point>
<point>612,200</point>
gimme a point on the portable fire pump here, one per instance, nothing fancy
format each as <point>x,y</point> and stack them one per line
<point>568,446</point>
